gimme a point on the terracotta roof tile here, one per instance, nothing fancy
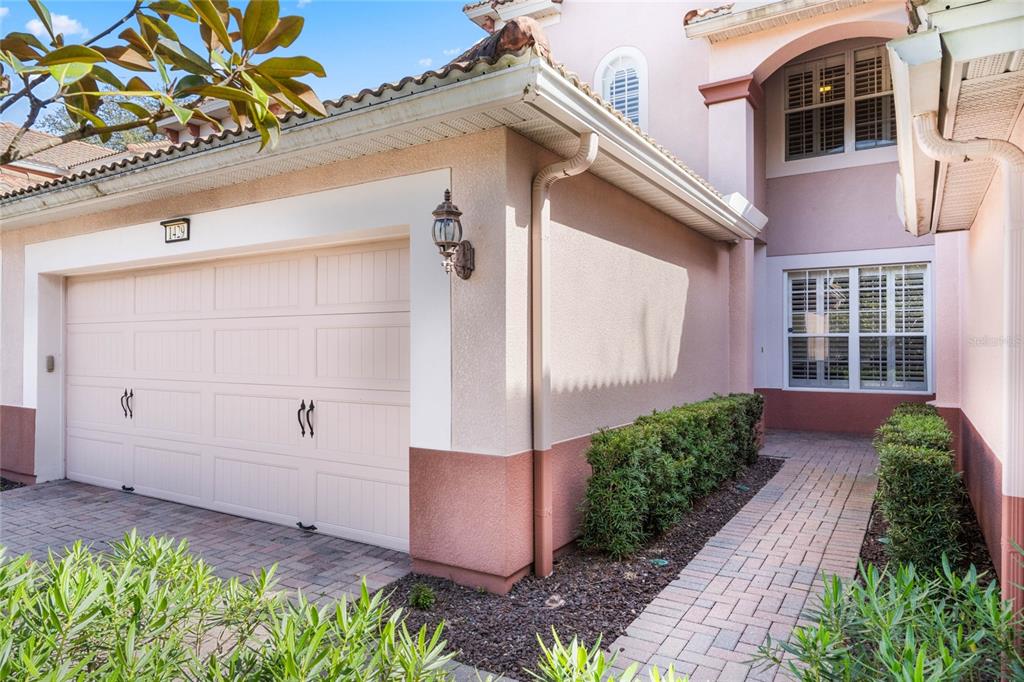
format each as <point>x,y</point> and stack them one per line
<point>697,15</point>
<point>63,156</point>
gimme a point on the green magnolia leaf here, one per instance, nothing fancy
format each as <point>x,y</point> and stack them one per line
<point>82,114</point>
<point>210,16</point>
<point>284,34</point>
<point>43,14</point>
<point>72,54</point>
<point>135,109</point>
<point>130,36</point>
<point>174,7</point>
<point>137,84</point>
<point>107,77</point>
<point>288,67</point>
<point>181,113</point>
<point>184,58</point>
<point>159,26</point>
<point>188,85</point>
<point>69,73</point>
<point>260,19</point>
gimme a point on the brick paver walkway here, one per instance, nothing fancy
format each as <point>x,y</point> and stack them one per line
<point>54,515</point>
<point>756,576</point>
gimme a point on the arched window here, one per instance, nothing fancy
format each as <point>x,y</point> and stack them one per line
<point>622,77</point>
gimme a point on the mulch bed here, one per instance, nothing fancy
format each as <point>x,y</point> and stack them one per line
<point>872,551</point>
<point>601,596</point>
<point>6,484</point>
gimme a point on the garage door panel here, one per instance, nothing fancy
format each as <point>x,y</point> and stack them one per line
<point>98,351</point>
<point>168,352</point>
<point>172,473</point>
<point>257,285</point>
<point>363,433</point>
<point>369,353</point>
<point>100,298</point>
<point>256,419</point>
<point>347,277</point>
<point>169,292</point>
<point>267,488</point>
<point>174,412</point>
<point>95,405</point>
<point>257,353</point>
<point>96,458</point>
<point>374,511</point>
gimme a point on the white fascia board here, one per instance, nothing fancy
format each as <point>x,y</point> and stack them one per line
<point>916,65</point>
<point>578,112</point>
<point>354,122</point>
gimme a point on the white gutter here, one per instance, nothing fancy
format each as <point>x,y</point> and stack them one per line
<point>1011,162</point>
<point>540,341</point>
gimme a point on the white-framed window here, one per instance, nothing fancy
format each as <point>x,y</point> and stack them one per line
<point>622,78</point>
<point>865,327</point>
<point>839,104</point>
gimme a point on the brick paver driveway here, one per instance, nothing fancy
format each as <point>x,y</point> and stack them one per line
<point>54,515</point>
<point>762,570</point>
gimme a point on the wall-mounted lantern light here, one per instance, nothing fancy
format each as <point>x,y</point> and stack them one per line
<point>457,254</point>
<point>176,230</point>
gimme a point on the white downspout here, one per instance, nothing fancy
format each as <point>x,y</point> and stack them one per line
<point>1011,161</point>
<point>540,341</point>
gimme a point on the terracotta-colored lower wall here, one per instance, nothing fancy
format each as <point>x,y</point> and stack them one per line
<point>569,474</point>
<point>839,412</point>
<point>470,516</point>
<point>17,443</point>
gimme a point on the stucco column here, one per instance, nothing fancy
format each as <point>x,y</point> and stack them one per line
<point>732,167</point>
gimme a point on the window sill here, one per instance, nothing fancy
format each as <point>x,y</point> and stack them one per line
<point>778,168</point>
<point>890,391</point>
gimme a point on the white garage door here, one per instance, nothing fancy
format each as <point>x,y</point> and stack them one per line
<point>272,387</point>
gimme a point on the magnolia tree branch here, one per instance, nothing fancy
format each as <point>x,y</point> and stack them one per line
<point>38,80</point>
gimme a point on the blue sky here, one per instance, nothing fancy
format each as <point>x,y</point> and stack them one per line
<point>361,44</point>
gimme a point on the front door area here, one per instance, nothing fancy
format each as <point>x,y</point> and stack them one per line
<point>274,387</point>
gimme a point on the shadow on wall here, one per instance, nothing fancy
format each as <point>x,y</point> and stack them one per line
<point>619,315</point>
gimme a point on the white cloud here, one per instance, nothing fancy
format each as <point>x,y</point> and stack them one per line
<point>452,52</point>
<point>426,61</point>
<point>62,23</point>
<point>303,3</point>
<point>4,11</point>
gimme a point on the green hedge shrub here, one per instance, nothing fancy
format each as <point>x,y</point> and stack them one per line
<point>906,625</point>
<point>919,493</point>
<point>648,473</point>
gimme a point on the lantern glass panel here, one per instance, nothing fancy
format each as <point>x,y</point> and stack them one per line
<point>447,230</point>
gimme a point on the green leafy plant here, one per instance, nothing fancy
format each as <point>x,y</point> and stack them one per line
<point>148,609</point>
<point>647,474</point>
<point>170,77</point>
<point>422,597</point>
<point>574,662</point>
<point>920,494</point>
<point>906,626</point>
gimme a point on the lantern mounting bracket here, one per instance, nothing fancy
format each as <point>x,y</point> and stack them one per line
<point>463,260</point>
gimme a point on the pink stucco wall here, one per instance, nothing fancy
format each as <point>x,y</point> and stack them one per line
<point>848,209</point>
<point>677,116</point>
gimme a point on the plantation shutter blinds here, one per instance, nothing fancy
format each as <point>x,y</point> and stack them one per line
<point>818,104</point>
<point>894,341</point>
<point>621,85</point>
<point>874,105</point>
<point>819,327</point>
<point>815,109</point>
<point>888,329</point>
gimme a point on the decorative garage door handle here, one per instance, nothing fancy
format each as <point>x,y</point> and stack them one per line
<point>131,396</point>
<point>124,397</point>
<point>298,415</point>
<point>309,422</point>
